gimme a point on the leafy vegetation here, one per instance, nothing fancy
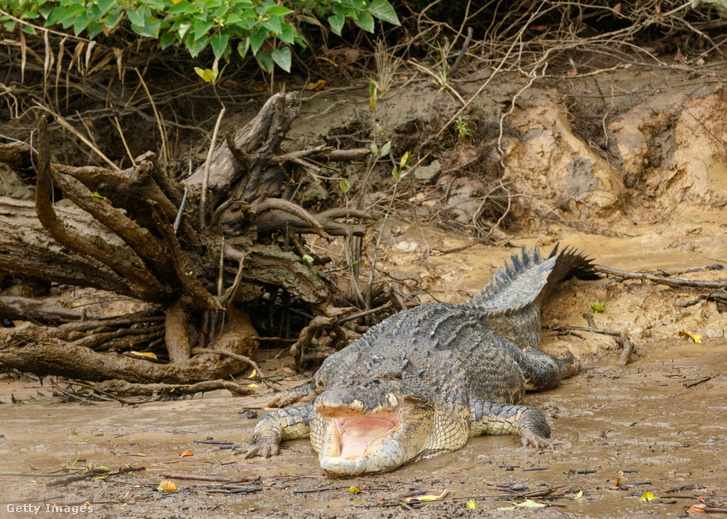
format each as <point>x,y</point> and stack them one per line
<point>263,27</point>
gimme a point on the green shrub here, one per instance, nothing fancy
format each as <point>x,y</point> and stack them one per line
<point>261,26</point>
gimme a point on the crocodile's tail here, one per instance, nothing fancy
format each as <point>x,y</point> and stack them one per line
<point>511,301</point>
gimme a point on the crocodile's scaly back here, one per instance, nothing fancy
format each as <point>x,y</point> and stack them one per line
<point>511,302</point>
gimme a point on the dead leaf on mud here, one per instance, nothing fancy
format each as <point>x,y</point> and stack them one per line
<point>427,497</point>
<point>186,453</point>
<point>693,336</point>
<point>167,485</point>
<point>648,497</point>
<point>697,509</point>
<point>471,503</point>
<point>528,503</point>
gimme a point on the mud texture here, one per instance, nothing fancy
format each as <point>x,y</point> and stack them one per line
<point>653,425</point>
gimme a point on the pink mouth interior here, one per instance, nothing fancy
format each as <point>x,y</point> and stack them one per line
<point>356,434</point>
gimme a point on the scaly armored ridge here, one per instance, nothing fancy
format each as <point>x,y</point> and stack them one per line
<point>423,381</point>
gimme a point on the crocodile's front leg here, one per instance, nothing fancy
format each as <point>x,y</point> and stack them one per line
<point>289,423</point>
<point>498,418</point>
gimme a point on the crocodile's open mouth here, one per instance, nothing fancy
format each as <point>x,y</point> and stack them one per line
<point>356,432</point>
<point>351,442</point>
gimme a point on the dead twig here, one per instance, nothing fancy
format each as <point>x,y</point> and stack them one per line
<point>672,282</point>
<point>622,339</point>
<point>206,178</point>
<point>93,473</point>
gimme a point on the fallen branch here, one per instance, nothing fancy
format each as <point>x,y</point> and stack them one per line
<point>622,339</point>
<point>673,282</point>
<point>126,389</point>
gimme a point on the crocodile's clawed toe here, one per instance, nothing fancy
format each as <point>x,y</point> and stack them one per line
<point>264,450</point>
<point>530,439</point>
<point>289,398</point>
<point>284,400</point>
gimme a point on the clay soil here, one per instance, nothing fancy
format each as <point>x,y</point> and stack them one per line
<point>650,198</point>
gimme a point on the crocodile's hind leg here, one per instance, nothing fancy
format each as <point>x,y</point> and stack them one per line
<point>541,371</point>
<point>497,418</point>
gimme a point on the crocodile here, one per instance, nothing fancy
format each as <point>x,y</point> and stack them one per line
<point>423,381</point>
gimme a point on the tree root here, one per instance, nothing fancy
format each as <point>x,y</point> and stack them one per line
<point>55,357</point>
<point>27,309</point>
<point>307,334</point>
<point>122,388</point>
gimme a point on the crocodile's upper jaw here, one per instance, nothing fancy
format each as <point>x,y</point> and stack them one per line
<point>350,442</point>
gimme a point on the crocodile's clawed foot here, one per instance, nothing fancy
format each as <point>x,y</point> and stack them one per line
<point>264,450</point>
<point>571,369</point>
<point>530,439</point>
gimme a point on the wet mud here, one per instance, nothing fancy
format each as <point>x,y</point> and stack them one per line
<point>658,425</point>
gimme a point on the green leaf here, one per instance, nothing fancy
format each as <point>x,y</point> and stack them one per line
<point>183,7</point>
<point>283,58</point>
<point>396,172</point>
<point>206,74</point>
<point>70,14</point>
<point>383,10</point>
<point>279,10</point>
<point>374,148</point>
<point>288,35</point>
<point>243,47</point>
<point>105,5</point>
<point>405,160</point>
<point>80,23</point>
<point>365,21</point>
<point>196,46</point>
<point>385,149</point>
<point>201,27</point>
<point>336,22</point>
<point>166,40</point>
<point>112,20</point>
<point>136,17</point>
<point>233,19</point>
<point>265,60</point>
<point>94,29</point>
<point>150,29</point>
<point>27,29</point>
<point>273,23</point>
<point>599,306</point>
<point>98,195</point>
<point>308,258</point>
<point>257,38</point>
<point>218,41</point>
<point>471,503</point>
<point>183,28</point>
<point>344,185</point>
<point>55,15</point>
